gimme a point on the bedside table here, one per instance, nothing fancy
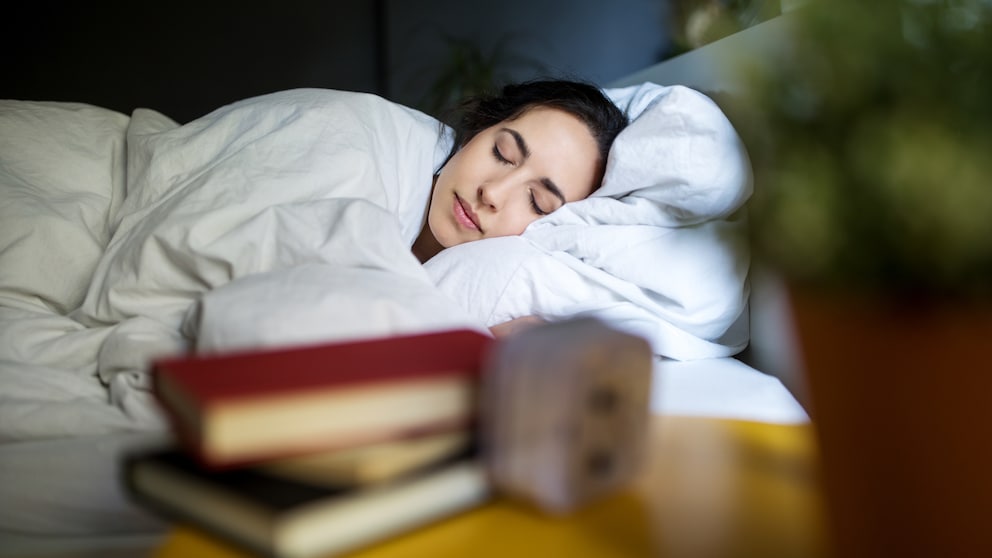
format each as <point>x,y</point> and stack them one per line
<point>710,487</point>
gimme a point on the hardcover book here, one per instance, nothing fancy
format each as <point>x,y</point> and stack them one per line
<point>235,409</point>
<point>284,516</point>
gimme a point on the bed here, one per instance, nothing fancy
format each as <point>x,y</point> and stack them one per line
<point>287,219</point>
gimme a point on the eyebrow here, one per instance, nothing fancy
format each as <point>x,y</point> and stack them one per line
<point>548,184</point>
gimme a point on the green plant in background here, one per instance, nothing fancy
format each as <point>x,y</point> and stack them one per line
<point>468,70</point>
<point>699,22</point>
<point>872,145</point>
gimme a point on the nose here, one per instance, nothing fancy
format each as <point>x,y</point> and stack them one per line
<point>493,193</point>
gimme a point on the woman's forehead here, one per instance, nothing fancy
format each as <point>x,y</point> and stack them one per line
<point>561,146</point>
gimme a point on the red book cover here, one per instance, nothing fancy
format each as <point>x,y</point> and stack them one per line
<point>253,405</point>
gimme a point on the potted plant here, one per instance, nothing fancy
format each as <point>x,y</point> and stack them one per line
<point>469,69</point>
<point>871,139</point>
<point>699,22</point>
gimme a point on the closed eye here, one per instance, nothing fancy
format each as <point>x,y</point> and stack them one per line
<point>533,204</point>
<point>499,156</point>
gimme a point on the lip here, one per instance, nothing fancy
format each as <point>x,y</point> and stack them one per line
<point>465,216</point>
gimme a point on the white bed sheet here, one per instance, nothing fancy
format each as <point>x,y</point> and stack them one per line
<point>723,388</point>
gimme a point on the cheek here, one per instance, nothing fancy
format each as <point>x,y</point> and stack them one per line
<point>513,221</point>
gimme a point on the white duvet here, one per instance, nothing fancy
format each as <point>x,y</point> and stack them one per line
<point>288,218</point>
<point>115,228</point>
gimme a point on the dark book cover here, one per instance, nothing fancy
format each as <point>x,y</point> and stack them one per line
<point>277,515</point>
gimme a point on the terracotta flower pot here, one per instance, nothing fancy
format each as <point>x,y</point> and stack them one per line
<point>901,396</point>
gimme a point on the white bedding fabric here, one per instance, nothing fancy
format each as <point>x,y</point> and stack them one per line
<point>316,184</point>
<point>285,219</point>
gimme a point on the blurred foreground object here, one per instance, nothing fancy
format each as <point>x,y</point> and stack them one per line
<point>251,406</point>
<point>565,412</point>
<point>900,400</point>
<point>870,137</point>
<point>327,448</point>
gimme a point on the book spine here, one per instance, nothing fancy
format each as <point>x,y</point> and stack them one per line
<point>372,516</point>
<point>432,498</point>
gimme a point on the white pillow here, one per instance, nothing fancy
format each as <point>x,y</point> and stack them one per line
<point>680,152</point>
<point>61,178</point>
<point>658,250</point>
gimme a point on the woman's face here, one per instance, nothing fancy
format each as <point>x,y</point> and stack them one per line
<point>512,173</point>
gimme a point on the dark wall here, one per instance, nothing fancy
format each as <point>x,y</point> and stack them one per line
<point>186,58</point>
<point>594,40</point>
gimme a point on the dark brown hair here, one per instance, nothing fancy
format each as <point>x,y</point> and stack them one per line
<point>585,101</point>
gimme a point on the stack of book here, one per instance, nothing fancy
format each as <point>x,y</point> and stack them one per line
<point>318,450</point>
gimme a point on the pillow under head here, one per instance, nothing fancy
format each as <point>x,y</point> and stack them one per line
<point>658,250</point>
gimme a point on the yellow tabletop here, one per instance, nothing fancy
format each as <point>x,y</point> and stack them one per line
<point>711,487</point>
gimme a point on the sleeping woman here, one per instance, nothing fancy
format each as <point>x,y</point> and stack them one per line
<point>516,157</point>
<point>306,215</point>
